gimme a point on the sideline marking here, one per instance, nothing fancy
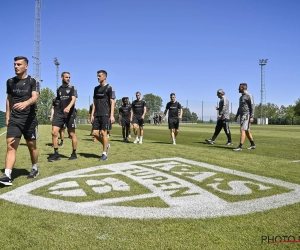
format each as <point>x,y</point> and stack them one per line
<point>296,161</point>
<point>162,178</point>
<point>3,133</point>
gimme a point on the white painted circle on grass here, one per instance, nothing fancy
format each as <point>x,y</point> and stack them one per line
<point>168,179</point>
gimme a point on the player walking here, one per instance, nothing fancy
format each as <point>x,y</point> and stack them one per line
<point>246,114</point>
<point>223,118</point>
<point>103,111</point>
<point>137,116</point>
<point>66,94</point>
<point>22,96</point>
<point>175,114</point>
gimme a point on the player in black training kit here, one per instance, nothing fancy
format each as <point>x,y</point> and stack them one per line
<point>22,95</point>
<point>175,113</point>
<point>124,118</point>
<point>138,111</point>
<point>55,105</point>
<point>66,95</point>
<point>103,111</point>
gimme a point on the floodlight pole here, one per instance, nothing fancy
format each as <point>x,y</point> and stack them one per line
<point>57,71</point>
<point>262,63</point>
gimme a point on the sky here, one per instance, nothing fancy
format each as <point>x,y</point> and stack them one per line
<point>189,47</point>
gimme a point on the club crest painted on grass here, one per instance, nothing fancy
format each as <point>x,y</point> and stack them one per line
<point>153,189</point>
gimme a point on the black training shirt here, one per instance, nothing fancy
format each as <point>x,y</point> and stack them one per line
<point>64,95</point>
<point>125,110</point>
<point>138,107</point>
<point>102,96</point>
<point>21,91</point>
<point>173,108</point>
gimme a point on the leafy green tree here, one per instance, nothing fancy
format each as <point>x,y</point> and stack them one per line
<point>297,107</point>
<point>270,111</point>
<point>189,116</point>
<point>118,104</point>
<point>44,106</point>
<point>286,114</point>
<point>153,103</point>
<point>231,117</point>
<point>194,117</point>
<point>82,113</point>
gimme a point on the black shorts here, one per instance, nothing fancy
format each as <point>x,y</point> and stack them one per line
<point>174,124</point>
<point>100,123</point>
<point>138,120</point>
<point>63,122</point>
<point>125,122</point>
<point>29,130</point>
<point>63,127</point>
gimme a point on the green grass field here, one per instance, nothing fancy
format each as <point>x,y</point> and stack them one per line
<point>51,220</point>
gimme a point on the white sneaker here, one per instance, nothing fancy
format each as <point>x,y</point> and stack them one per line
<point>136,140</point>
<point>140,142</point>
<point>174,142</point>
<point>237,149</point>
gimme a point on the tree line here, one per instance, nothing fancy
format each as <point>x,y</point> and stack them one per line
<point>154,106</point>
<point>275,114</point>
<point>285,115</point>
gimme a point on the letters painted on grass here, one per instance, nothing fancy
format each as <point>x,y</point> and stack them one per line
<point>153,189</point>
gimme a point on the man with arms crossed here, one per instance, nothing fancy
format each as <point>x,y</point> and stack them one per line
<point>22,95</point>
<point>66,95</point>
<point>223,118</point>
<point>175,114</point>
<point>103,110</point>
<point>138,111</point>
<point>246,113</point>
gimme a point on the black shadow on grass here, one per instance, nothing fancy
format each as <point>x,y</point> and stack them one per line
<point>85,155</point>
<point>214,145</point>
<point>61,156</point>
<point>22,144</point>
<point>201,142</point>
<point>161,142</point>
<point>49,144</point>
<point>223,147</point>
<point>90,139</point>
<point>117,140</point>
<point>18,172</point>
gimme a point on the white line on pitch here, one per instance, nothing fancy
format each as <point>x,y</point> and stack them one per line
<point>3,133</point>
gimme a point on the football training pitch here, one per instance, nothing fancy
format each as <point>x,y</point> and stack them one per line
<point>157,195</point>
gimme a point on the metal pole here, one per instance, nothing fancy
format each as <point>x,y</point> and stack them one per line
<point>262,63</point>
<point>231,110</point>
<point>202,111</point>
<point>56,62</point>
<point>261,94</point>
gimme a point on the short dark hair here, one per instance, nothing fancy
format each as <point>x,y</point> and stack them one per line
<point>221,91</point>
<point>102,71</point>
<point>244,85</point>
<point>172,94</point>
<point>62,74</point>
<point>21,58</point>
<point>138,93</point>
